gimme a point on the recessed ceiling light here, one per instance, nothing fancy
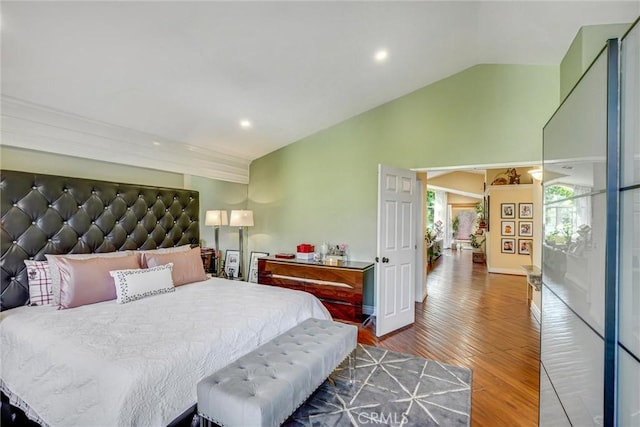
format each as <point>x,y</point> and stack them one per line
<point>381,55</point>
<point>245,124</point>
<point>156,143</point>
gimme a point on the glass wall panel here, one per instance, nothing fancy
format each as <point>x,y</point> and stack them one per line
<point>630,108</point>
<point>574,268</point>
<point>628,381</point>
<point>579,248</point>
<point>575,137</point>
<point>630,270</point>
<point>553,414</point>
<point>573,356</point>
<point>628,390</point>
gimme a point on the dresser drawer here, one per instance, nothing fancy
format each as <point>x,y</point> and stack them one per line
<point>334,292</point>
<point>343,311</point>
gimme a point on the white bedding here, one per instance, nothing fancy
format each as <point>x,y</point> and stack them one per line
<point>138,364</point>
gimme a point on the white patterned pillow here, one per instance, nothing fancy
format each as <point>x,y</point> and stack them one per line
<point>40,291</point>
<point>135,284</point>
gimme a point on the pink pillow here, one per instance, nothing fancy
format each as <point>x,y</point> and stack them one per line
<point>187,266</point>
<point>170,250</point>
<point>55,273</point>
<point>87,281</point>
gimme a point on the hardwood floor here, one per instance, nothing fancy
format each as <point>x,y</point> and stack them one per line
<point>481,321</point>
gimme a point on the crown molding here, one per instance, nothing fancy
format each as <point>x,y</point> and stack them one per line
<point>35,127</point>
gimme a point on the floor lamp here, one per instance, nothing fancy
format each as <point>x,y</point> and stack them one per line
<point>241,219</point>
<point>216,219</point>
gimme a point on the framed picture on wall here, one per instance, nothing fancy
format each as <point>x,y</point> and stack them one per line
<point>524,246</point>
<point>508,228</point>
<point>253,265</point>
<point>525,210</point>
<point>508,246</point>
<point>525,228</point>
<point>508,210</point>
<point>231,264</point>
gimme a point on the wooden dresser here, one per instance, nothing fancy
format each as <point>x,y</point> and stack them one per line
<point>340,288</point>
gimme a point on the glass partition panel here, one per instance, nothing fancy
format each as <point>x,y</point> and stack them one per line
<point>573,259</point>
<point>628,381</point>
<point>575,137</point>
<point>553,415</point>
<point>572,354</point>
<point>630,108</point>
<point>574,252</point>
<point>630,271</point>
<point>628,390</point>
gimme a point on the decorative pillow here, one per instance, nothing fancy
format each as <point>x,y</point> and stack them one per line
<point>54,273</point>
<point>187,266</point>
<point>40,292</point>
<point>139,283</point>
<point>87,281</point>
<point>172,250</point>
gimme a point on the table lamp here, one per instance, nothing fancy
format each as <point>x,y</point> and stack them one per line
<point>241,219</point>
<point>216,218</point>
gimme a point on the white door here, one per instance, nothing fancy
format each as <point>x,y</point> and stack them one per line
<point>395,269</point>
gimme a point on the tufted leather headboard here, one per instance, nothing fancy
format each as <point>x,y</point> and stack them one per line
<point>46,214</point>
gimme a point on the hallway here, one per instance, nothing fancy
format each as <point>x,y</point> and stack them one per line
<point>481,321</point>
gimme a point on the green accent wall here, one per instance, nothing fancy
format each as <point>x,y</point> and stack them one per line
<point>324,187</point>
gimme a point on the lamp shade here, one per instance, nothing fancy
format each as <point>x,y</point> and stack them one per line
<point>241,219</point>
<point>214,218</point>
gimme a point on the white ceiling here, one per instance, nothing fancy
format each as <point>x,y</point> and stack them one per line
<point>188,72</point>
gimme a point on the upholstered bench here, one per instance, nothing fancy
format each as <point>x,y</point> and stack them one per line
<point>264,387</point>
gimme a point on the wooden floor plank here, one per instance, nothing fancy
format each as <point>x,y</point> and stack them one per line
<point>481,321</point>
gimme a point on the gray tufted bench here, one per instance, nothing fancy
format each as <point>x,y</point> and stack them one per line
<point>264,387</point>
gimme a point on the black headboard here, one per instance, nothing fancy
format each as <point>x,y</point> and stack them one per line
<point>47,214</point>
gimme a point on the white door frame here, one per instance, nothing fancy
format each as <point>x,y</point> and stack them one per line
<point>421,271</point>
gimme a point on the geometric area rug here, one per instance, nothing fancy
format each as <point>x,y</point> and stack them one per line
<point>391,389</point>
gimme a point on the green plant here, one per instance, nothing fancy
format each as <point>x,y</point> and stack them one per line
<point>476,242</point>
<point>481,218</point>
<point>455,223</point>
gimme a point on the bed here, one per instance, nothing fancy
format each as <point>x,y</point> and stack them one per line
<point>120,364</point>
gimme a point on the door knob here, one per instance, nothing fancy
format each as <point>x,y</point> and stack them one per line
<point>385,259</point>
<point>377,259</point>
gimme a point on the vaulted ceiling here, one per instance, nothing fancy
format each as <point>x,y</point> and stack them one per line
<point>187,73</point>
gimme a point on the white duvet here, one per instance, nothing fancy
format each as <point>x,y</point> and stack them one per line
<point>138,364</point>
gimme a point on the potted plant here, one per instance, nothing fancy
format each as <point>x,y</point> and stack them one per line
<point>477,243</point>
<point>482,219</point>
<point>455,223</point>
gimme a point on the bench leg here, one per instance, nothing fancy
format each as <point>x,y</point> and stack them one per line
<point>352,367</point>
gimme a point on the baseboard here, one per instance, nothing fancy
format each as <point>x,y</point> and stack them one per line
<point>424,295</point>
<point>512,271</point>
<point>536,312</point>
<point>368,310</point>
